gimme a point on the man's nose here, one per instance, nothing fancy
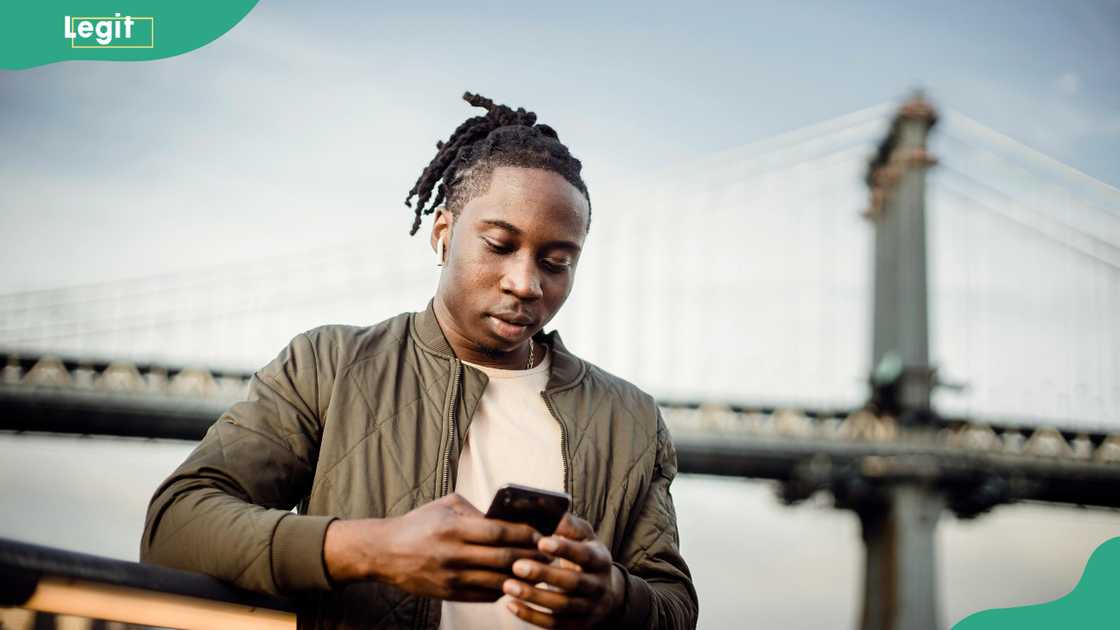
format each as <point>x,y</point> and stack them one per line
<point>522,279</point>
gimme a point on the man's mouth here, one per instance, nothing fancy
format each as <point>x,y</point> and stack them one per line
<point>510,326</point>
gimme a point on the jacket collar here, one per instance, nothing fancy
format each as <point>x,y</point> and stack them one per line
<point>566,369</point>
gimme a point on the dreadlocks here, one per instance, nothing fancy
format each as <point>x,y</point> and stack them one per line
<point>503,137</point>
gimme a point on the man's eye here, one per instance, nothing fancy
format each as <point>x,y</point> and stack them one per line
<point>557,265</point>
<point>497,247</point>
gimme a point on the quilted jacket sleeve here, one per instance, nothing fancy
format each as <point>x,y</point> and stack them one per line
<point>226,510</point>
<point>659,589</point>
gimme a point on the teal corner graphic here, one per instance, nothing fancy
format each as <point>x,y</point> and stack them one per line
<point>126,30</point>
<point>1091,605</point>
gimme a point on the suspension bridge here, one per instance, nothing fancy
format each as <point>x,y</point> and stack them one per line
<point>934,332</point>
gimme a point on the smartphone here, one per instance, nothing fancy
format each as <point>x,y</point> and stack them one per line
<point>541,509</point>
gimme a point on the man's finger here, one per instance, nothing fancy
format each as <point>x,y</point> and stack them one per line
<point>575,528</point>
<point>490,531</point>
<point>460,506</point>
<point>563,579</point>
<point>563,563</point>
<point>592,556</point>
<point>545,619</point>
<point>471,580</point>
<point>493,557</point>
<point>558,602</point>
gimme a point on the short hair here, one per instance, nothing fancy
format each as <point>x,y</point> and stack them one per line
<point>503,137</point>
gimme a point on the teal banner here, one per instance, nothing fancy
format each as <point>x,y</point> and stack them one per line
<point>1091,605</point>
<point>42,32</point>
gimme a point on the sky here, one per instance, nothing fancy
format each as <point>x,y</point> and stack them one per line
<point>307,124</point>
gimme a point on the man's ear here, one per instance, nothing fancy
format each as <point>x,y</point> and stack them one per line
<point>441,228</point>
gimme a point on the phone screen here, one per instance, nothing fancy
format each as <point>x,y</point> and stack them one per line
<point>541,509</point>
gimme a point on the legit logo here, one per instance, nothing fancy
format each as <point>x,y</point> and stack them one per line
<point>111,32</point>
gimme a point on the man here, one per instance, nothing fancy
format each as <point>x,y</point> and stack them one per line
<point>393,438</point>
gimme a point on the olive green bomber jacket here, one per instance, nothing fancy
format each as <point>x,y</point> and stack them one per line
<point>359,422</point>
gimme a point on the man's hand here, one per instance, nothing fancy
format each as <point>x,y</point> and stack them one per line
<point>584,587</point>
<point>445,549</point>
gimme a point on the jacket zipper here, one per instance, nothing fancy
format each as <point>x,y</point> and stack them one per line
<point>424,613</point>
<point>563,440</point>
<point>451,427</point>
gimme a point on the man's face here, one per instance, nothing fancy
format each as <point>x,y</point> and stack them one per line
<point>512,257</point>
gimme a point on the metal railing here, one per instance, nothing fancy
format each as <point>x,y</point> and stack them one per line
<point>50,580</point>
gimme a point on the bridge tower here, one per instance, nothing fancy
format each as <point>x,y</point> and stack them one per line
<point>899,522</point>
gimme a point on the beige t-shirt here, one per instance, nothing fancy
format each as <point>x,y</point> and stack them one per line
<point>513,438</point>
